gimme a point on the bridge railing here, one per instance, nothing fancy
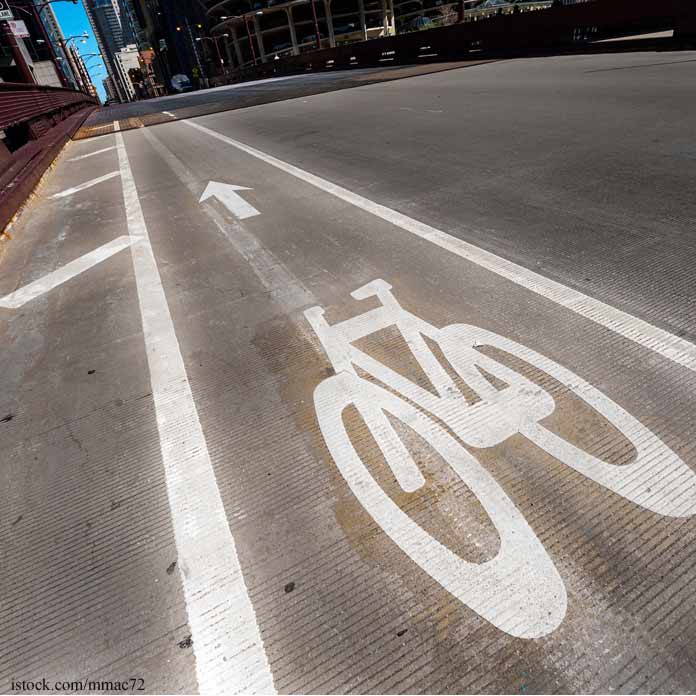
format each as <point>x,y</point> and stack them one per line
<point>35,122</point>
<point>38,104</point>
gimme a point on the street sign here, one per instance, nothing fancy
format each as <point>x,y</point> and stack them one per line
<point>19,29</point>
<point>5,11</point>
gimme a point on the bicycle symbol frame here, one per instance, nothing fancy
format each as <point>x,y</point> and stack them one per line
<point>519,590</point>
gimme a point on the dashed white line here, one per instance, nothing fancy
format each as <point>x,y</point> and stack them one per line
<point>662,342</point>
<point>61,275</point>
<point>85,185</point>
<point>230,656</point>
<point>92,154</point>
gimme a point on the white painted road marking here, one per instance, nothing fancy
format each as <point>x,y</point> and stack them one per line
<point>86,185</point>
<point>227,194</point>
<point>61,275</point>
<point>288,290</point>
<point>667,345</point>
<point>230,657</point>
<point>92,154</point>
<point>519,591</point>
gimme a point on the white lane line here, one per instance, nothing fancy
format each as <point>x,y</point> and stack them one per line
<point>117,126</point>
<point>86,185</point>
<point>92,154</point>
<point>61,275</point>
<point>230,657</point>
<point>637,330</point>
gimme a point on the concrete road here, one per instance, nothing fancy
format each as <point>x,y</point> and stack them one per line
<point>383,390</point>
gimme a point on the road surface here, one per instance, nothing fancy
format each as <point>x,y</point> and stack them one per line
<point>387,389</point>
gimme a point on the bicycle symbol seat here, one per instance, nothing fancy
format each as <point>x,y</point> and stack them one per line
<point>519,590</point>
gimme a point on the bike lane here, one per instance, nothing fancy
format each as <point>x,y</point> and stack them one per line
<point>85,527</point>
<point>340,606</point>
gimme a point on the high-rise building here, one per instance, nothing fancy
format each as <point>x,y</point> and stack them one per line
<point>111,95</point>
<point>57,39</point>
<point>125,60</point>
<point>113,32</point>
<point>30,49</point>
<point>170,29</point>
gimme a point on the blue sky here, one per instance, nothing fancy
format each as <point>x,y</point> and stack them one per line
<point>73,20</point>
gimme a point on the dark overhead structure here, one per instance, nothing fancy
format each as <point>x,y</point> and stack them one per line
<point>256,31</point>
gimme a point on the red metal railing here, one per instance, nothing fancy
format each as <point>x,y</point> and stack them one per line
<point>37,121</point>
<point>20,103</point>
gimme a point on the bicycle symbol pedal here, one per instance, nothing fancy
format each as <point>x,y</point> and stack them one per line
<point>519,590</point>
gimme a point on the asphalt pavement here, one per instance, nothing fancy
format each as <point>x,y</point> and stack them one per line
<point>388,389</point>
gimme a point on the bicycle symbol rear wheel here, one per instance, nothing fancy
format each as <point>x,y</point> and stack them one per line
<point>519,591</point>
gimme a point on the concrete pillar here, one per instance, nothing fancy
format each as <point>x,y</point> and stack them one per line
<point>385,18</point>
<point>228,51</point>
<point>237,47</point>
<point>363,23</point>
<point>293,33</point>
<point>393,16</point>
<point>259,39</point>
<point>329,23</point>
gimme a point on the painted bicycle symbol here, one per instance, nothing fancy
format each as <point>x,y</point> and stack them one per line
<point>519,590</point>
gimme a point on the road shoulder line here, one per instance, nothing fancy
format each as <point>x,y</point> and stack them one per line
<point>229,652</point>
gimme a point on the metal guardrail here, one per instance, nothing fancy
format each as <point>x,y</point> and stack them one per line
<point>478,13</point>
<point>21,103</point>
<point>36,121</point>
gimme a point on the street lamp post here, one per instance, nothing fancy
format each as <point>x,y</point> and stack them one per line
<point>89,56</point>
<point>65,44</point>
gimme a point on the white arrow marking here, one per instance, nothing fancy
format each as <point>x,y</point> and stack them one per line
<point>91,154</point>
<point>19,297</point>
<point>86,185</point>
<point>226,194</point>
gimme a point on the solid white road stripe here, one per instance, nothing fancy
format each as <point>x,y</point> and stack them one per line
<point>117,126</point>
<point>91,154</point>
<point>230,657</point>
<point>61,275</point>
<point>637,330</point>
<point>86,185</point>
